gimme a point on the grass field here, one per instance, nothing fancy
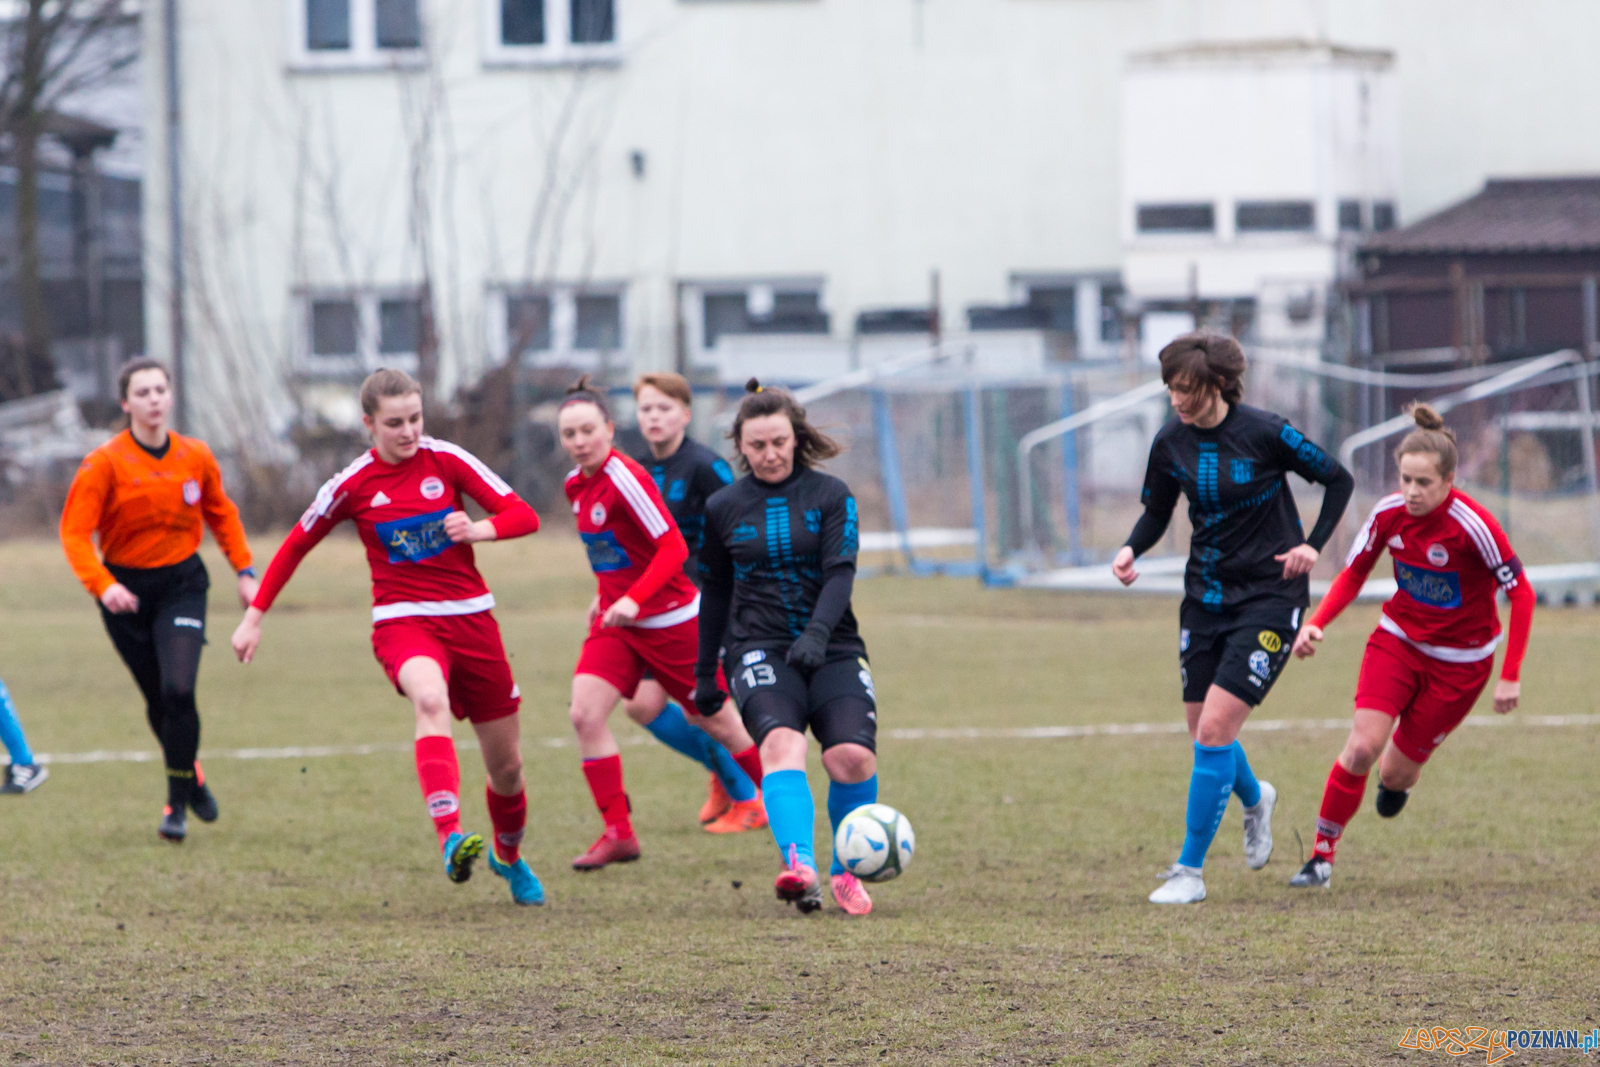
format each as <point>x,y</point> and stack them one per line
<point>312,924</point>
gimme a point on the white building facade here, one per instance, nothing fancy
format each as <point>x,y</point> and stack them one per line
<point>766,186</point>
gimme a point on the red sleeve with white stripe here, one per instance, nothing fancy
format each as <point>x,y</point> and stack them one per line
<point>1358,563</point>
<point>328,510</point>
<point>511,515</point>
<point>651,515</point>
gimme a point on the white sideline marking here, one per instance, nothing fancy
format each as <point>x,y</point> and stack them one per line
<point>915,733</point>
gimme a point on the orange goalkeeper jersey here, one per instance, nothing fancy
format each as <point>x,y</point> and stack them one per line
<point>147,511</point>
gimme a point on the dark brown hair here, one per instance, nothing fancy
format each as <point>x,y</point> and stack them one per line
<point>811,445</point>
<point>674,385</point>
<point>134,366</point>
<point>1203,360</point>
<point>385,381</point>
<point>1430,436</point>
<point>581,392</point>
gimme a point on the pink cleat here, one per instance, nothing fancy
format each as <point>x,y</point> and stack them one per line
<point>850,894</point>
<point>798,884</point>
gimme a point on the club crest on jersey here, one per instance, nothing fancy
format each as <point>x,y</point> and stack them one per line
<point>432,488</point>
<point>597,514</point>
<point>754,656</point>
<point>1437,555</point>
<point>191,492</point>
<point>1439,589</point>
<point>1260,664</point>
<point>414,538</point>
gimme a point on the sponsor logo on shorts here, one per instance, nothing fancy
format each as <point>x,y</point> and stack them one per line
<point>442,803</point>
<point>866,680</point>
<point>755,655</point>
<point>1183,640</point>
<point>432,488</point>
<point>1270,641</point>
<point>1183,676</point>
<point>1260,663</point>
<point>597,514</point>
<point>872,715</point>
<point>1254,680</point>
<point>1437,555</point>
<point>191,492</point>
<point>184,620</point>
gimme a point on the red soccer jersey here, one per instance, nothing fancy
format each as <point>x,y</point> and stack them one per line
<point>1447,564</point>
<point>399,510</point>
<point>625,527</point>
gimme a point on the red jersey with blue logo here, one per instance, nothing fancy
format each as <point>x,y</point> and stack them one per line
<point>399,510</point>
<point>1448,564</point>
<point>625,524</point>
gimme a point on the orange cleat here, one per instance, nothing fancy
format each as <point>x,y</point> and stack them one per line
<point>798,884</point>
<point>717,802</point>
<point>608,850</point>
<point>743,815</point>
<point>850,894</point>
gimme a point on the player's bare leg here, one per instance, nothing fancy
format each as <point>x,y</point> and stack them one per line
<point>422,680</point>
<point>848,765</point>
<point>1341,798</point>
<point>500,741</point>
<point>593,699</point>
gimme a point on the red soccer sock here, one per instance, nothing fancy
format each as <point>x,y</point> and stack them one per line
<point>509,815</point>
<point>1341,799</point>
<point>440,778</point>
<point>749,761</point>
<point>605,782</point>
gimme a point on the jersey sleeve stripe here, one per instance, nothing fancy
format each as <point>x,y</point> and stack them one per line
<point>479,467</point>
<point>655,524</point>
<point>1478,530</point>
<point>1388,503</point>
<point>328,494</point>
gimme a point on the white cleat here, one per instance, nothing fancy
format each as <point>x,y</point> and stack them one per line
<point>1172,872</point>
<point>1317,872</point>
<point>1185,887</point>
<point>1258,829</point>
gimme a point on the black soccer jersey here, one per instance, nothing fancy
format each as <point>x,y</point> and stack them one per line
<point>769,550</point>
<point>1243,514</point>
<point>687,478</point>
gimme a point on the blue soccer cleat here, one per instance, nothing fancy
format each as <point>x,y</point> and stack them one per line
<point>459,852</point>
<point>525,887</point>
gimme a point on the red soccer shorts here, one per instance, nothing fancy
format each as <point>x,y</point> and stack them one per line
<point>1429,696</point>
<point>621,654</point>
<point>467,649</point>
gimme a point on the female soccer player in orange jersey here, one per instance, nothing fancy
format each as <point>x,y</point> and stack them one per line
<point>146,494</point>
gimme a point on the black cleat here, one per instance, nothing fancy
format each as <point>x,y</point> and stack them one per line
<point>202,803</point>
<point>1390,801</point>
<point>173,825</point>
<point>24,778</point>
<point>1316,873</point>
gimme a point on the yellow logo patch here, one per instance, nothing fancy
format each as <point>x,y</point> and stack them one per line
<point>1270,641</point>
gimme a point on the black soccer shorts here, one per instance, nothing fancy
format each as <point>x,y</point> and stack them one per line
<point>1242,651</point>
<point>837,702</point>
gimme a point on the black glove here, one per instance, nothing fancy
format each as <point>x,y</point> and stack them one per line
<point>708,696</point>
<point>810,648</point>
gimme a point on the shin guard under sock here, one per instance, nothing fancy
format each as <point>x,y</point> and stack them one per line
<point>791,813</point>
<point>1245,786</point>
<point>605,782</point>
<point>1210,785</point>
<point>509,817</point>
<point>843,798</point>
<point>1341,799</point>
<point>440,778</point>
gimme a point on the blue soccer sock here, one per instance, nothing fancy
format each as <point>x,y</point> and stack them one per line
<point>791,813</point>
<point>1210,785</point>
<point>11,734</point>
<point>673,729</point>
<point>844,798</point>
<point>1245,786</point>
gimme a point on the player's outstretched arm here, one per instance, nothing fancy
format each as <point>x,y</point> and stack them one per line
<point>1508,690</point>
<point>1159,496</point>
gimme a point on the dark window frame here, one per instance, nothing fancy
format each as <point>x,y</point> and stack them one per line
<point>1275,216</point>
<point>1197,217</point>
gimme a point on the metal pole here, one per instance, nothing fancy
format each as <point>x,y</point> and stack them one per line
<point>894,488</point>
<point>175,222</point>
<point>1591,328</point>
<point>975,477</point>
<point>1069,478</point>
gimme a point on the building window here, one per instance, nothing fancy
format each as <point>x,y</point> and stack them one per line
<point>1111,312</point>
<point>1055,307</point>
<point>765,309</point>
<point>355,33</point>
<point>334,328</point>
<point>598,326</point>
<point>1383,215</point>
<point>528,323</point>
<point>1274,216</point>
<point>539,32</point>
<point>1350,216</point>
<point>399,326</point>
<point>1177,218</point>
<point>348,335</point>
<point>558,324</point>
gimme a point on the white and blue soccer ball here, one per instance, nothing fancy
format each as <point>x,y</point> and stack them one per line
<point>875,843</point>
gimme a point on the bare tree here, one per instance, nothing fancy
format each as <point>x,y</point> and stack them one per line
<point>54,49</point>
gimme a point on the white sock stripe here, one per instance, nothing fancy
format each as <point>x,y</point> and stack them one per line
<point>479,467</point>
<point>654,523</point>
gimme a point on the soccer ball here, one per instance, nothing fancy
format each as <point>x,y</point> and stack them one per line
<point>875,843</point>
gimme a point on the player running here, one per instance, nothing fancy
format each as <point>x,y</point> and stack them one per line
<point>1245,587</point>
<point>23,775</point>
<point>779,562</point>
<point>1433,650</point>
<point>642,619</point>
<point>146,494</point>
<point>686,473</point>
<point>433,628</point>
